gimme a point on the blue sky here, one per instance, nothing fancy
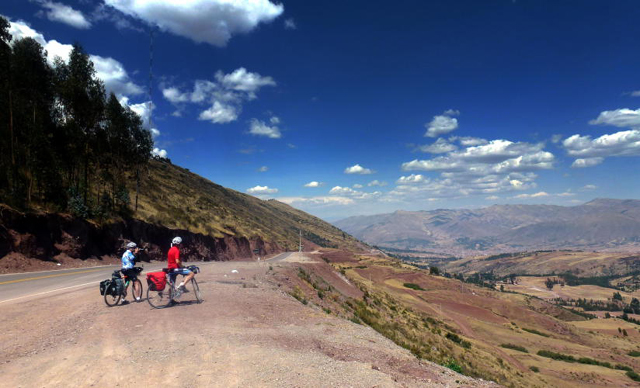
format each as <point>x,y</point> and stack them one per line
<point>343,108</point>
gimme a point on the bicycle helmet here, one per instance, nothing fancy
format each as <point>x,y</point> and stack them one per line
<point>131,245</point>
<point>176,241</point>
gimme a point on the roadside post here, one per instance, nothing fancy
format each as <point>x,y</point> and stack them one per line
<point>257,252</point>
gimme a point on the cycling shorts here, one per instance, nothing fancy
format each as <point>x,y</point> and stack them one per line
<point>181,271</point>
<point>130,273</point>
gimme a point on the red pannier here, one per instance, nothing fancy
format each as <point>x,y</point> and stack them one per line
<point>157,280</point>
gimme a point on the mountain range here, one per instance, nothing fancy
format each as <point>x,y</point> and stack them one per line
<point>602,224</point>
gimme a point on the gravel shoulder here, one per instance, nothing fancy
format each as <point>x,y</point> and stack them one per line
<point>247,333</point>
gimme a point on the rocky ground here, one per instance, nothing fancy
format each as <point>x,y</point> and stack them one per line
<point>248,332</point>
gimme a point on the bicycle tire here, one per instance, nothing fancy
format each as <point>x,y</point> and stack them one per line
<point>196,290</point>
<point>159,299</point>
<point>133,290</point>
<point>111,300</point>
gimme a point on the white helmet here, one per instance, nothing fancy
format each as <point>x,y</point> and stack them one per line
<point>176,241</point>
<point>131,245</point>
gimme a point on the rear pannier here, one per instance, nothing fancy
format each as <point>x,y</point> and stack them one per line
<point>156,281</point>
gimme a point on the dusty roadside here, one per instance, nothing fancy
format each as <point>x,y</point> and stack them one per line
<point>247,333</point>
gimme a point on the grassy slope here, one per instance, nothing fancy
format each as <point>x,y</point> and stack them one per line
<point>177,198</point>
<point>436,322</point>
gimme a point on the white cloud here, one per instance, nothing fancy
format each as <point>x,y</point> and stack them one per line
<point>351,193</point>
<point>314,184</point>
<point>319,201</point>
<point>260,128</point>
<point>158,152</point>
<point>468,141</point>
<point>357,186</point>
<point>413,178</point>
<point>208,21</point>
<point>115,77</point>
<point>155,132</point>
<point>589,187</point>
<point>357,169</point>
<point>452,112</point>
<point>225,96</point>
<point>376,183</point>
<point>219,113</point>
<point>261,190</point>
<point>243,81</point>
<point>623,143</point>
<point>530,196</point>
<point>492,198</point>
<point>110,71</point>
<point>57,12</point>
<point>624,118</point>
<point>290,24</point>
<point>263,169</point>
<point>441,146</point>
<point>555,139</point>
<point>441,125</point>
<point>635,93</point>
<point>586,162</point>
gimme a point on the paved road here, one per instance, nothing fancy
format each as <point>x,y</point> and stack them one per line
<point>32,284</point>
<point>281,256</point>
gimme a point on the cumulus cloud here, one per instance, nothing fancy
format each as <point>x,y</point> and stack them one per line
<point>376,183</point>
<point>57,12</point>
<point>203,21</point>
<point>110,71</point>
<point>357,186</point>
<point>263,169</point>
<point>624,118</point>
<point>224,96</point>
<point>623,143</point>
<point>158,152</point>
<point>555,139</point>
<point>219,113</point>
<point>260,128</point>
<point>314,184</point>
<point>413,178</point>
<point>261,190</point>
<point>586,162</point>
<point>478,167</point>
<point>442,124</point>
<point>358,169</point>
<point>351,193</point>
<point>441,146</point>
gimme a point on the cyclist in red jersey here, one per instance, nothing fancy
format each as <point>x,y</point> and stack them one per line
<point>175,264</point>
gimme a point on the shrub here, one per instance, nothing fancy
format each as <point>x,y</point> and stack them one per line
<point>556,356</point>
<point>533,331</point>
<point>453,365</point>
<point>456,338</point>
<point>413,286</point>
<point>515,347</point>
<point>534,369</point>
<point>633,376</point>
<point>634,353</point>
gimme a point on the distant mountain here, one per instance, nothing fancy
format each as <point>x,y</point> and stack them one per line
<point>602,224</point>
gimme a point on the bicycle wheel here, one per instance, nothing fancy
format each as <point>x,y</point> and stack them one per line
<point>159,299</point>
<point>137,296</point>
<point>111,300</point>
<point>196,290</point>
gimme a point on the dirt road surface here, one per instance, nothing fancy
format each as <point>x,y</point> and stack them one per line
<point>246,333</point>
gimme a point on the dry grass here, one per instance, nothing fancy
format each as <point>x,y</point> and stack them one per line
<point>174,197</point>
<point>428,322</point>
